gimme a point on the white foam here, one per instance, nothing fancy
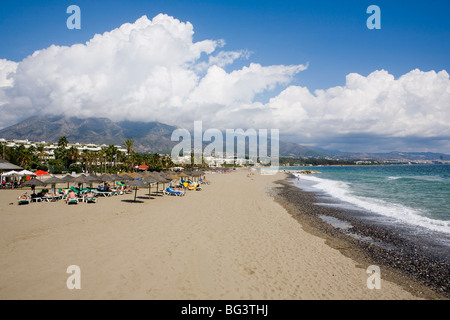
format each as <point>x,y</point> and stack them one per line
<point>342,191</point>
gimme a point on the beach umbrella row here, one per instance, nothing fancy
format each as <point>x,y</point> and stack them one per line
<point>138,180</point>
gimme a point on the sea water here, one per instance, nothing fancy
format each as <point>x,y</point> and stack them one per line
<point>414,195</point>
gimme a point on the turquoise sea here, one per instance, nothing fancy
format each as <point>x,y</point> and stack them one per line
<point>416,195</point>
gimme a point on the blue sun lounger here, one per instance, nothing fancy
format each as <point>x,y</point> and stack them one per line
<point>172,192</point>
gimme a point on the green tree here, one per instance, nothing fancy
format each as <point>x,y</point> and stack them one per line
<point>63,142</point>
<point>72,155</point>
<point>111,154</point>
<point>75,167</point>
<point>56,165</point>
<point>101,155</point>
<point>129,145</point>
<point>40,153</point>
<point>61,153</point>
<point>84,157</point>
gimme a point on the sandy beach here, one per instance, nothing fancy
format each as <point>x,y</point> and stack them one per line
<point>231,240</point>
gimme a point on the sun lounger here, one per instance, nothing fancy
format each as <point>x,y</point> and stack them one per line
<point>90,199</point>
<point>172,192</point>
<point>21,201</point>
<point>52,198</point>
<point>72,201</point>
<point>192,187</point>
<point>102,193</point>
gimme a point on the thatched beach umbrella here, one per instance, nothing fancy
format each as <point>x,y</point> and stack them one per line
<point>135,175</point>
<point>82,179</point>
<point>150,180</point>
<point>144,174</point>
<point>159,179</point>
<point>93,178</point>
<point>34,182</point>
<point>136,184</point>
<point>68,178</point>
<point>53,181</point>
<point>125,177</point>
<point>183,175</point>
<point>105,177</point>
<point>115,178</point>
<point>166,177</point>
<point>173,177</point>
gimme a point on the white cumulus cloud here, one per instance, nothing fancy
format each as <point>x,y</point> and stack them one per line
<point>148,70</point>
<point>415,104</point>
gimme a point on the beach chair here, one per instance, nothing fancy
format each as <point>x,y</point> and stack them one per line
<point>172,192</point>
<point>35,198</point>
<point>51,197</point>
<point>102,193</point>
<point>23,199</point>
<point>187,186</point>
<point>90,199</point>
<point>195,187</point>
<point>72,201</point>
<point>79,192</point>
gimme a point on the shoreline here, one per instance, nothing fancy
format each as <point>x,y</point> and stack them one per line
<point>422,275</point>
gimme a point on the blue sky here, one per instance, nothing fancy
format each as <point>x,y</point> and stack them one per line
<point>330,37</point>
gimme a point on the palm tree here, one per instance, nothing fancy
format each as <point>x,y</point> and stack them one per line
<point>63,142</point>
<point>129,145</point>
<point>3,153</point>
<point>84,158</point>
<point>134,158</point>
<point>21,156</point>
<point>61,153</point>
<point>72,155</point>
<point>97,157</point>
<point>111,153</point>
<point>101,156</point>
<point>41,153</point>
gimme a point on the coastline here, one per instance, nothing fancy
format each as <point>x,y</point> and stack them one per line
<point>401,261</point>
<point>230,241</point>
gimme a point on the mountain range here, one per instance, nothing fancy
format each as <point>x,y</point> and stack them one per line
<point>147,136</point>
<point>155,137</point>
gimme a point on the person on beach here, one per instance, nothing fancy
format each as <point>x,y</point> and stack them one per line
<point>89,196</point>
<point>24,196</point>
<point>71,195</point>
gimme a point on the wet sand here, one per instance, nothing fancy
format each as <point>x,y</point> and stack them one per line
<point>401,260</point>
